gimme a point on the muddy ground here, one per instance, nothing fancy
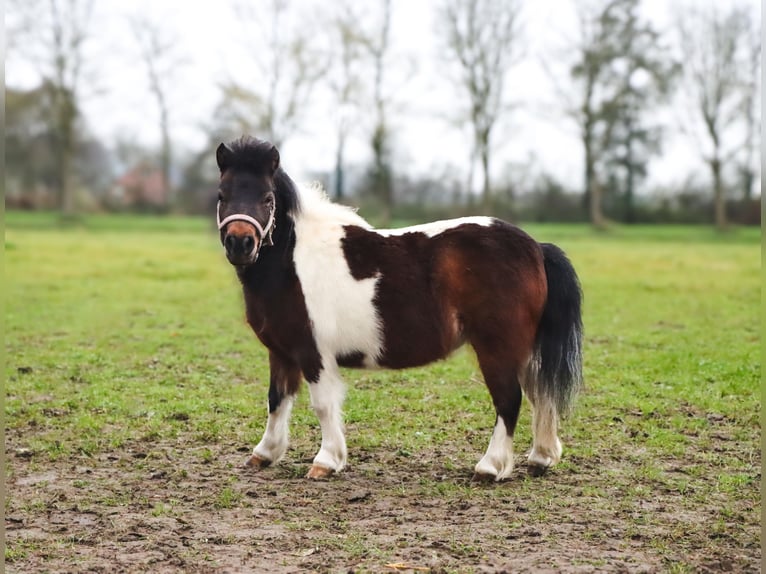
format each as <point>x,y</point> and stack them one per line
<point>162,508</point>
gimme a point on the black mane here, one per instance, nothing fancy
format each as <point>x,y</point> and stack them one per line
<point>251,154</point>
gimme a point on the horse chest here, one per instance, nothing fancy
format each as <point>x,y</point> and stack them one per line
<point>281,323</point>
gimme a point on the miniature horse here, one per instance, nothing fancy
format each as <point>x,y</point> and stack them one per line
<point>324,290</point>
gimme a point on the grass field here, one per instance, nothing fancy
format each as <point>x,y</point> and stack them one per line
<point>134,390</point>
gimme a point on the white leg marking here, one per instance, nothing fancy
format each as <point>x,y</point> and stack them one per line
<point>498,461</point>
<point>273,445</point>
<point>546,446</point>
<point>327,400</point>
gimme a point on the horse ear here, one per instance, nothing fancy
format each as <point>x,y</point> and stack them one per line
<point>274,156</point>
<point>223,156</point>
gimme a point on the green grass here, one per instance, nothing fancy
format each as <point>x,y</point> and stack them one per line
<point>138,333</point>
<point>124,330</point>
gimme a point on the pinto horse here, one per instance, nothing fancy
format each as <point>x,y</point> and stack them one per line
<point>323,290</point>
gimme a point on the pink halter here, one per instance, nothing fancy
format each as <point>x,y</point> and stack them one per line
<point>263,232</point>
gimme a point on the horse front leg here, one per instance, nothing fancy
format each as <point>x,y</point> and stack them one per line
<point>327,395</point>
<point>284,382</point>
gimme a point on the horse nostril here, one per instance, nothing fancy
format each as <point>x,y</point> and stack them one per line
<point>230,243</point>
<point>247,244</point>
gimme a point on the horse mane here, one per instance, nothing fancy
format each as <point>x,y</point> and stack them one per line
<point>315,204</point>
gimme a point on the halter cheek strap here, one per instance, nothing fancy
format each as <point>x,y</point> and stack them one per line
<point>264,233</point>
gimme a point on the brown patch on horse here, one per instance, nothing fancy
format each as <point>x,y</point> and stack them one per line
<point>405,296</point>
<point>285,379</point>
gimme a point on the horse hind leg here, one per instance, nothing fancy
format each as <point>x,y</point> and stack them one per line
<point>504,386</point>
<point>546,446</point>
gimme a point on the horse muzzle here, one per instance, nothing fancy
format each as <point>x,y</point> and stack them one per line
<point>241,244</point>
<point>243,235</point>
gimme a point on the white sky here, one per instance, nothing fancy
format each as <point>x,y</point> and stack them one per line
<point>208,37</point>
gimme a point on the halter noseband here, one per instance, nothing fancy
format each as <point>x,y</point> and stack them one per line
<point>264,233</point>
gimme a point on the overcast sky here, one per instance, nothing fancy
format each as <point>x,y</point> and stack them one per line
<point>208,36</point>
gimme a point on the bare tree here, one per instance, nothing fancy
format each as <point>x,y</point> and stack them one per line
<point>595,104</point>
<point>288,63</point>
<point>751,109</point>
<point>157,53</point>
<point>56,44</point>
<point>381,176</point>
<point>713,43</point>
<point>345,80</point>
<point>620,72</point>
<point>482,36</point>
<point>594,58</point>
<point>643,77</point>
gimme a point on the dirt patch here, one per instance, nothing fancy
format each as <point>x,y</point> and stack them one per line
<point>164,508</point>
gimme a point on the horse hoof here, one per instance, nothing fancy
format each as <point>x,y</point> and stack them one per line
<point>256,461</point>
<point>317,472</point>
<point>483,477</point>
<point>536,470</point>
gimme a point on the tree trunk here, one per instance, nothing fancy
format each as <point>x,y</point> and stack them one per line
<point>339,153</point>
<point>65,143</point>
<point>486,194</point>
<point>748,177</point>
<point>66,195</point>
<point>166,153</point>
<point>381,175</point>
<point>630,216</point>
<point>596,215</point>
<point>590,175</point>
<point>471,171</point>
<point>719,201</point>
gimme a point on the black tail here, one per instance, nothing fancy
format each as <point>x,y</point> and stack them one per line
<point>559,336</point>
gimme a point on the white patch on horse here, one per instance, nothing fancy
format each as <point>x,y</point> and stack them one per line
<point>498,460</point>
<point>436,227</point>
<point>343,316</point>
<point>273,445</point>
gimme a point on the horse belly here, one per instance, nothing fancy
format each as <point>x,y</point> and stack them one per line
<point>419,335</point>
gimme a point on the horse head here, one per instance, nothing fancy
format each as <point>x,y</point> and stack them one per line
<point>246,210</point>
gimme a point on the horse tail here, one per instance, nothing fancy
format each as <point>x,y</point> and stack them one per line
<point>560,332</point>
